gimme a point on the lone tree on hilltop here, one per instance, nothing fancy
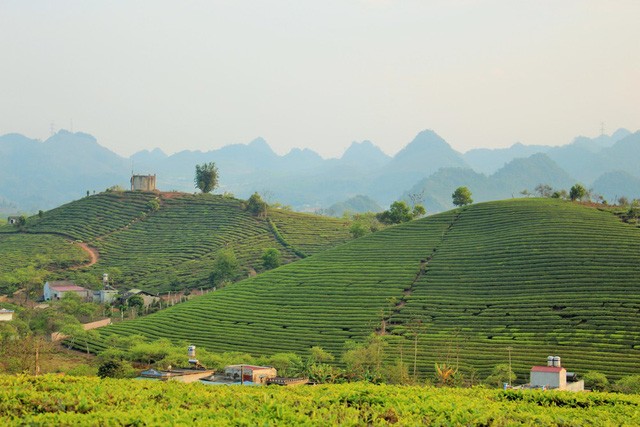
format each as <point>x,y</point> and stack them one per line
<point>206,177</point>
<point>577,192</point>
<point>462,196</point>
<point>256,206</point>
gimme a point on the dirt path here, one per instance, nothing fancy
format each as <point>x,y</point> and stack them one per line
<point>94,256</point>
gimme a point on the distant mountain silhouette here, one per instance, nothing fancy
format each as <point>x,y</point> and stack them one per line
<point>613,185</point>
<point>41,175</point>
<point>509,181</point>
<point>357,204</point>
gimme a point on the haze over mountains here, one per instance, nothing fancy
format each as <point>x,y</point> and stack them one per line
<point>41,175</point>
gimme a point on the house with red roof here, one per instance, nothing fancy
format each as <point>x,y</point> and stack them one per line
<point>554,376</point>
<point>56,289</point>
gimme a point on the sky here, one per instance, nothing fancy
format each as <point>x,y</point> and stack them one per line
<point>198,75</point>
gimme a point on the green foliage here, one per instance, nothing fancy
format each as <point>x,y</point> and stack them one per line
<point>154,204</point>
<point>225,268</point>
<point>596,381</point>
<point>364,361</point>
<point>271,258</point>
<point>462,196</point>
<point>108,401</point>
<point>501,374</point>
<point>206,178</point>
<point>577,192</point>
<point>256,206</point>
<point>135,301</point>
<point>628,384</point>
<point>115,369</point>
<point>358,229</point>
<point>544,190</point>
<point>400,212</point>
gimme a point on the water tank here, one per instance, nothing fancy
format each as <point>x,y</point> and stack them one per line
<point>550,361</point>
<point>191,351</point>
<point>556,361</point>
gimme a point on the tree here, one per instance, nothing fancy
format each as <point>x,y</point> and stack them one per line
<point>596,381</point>
<point>543,190</point>
<point>225,267</point>
<point>629,384</point>
<point>501,374</point>
<point>271,258</point>
<point>136,301</point>
<point>256,206</point>
<point>462,196</point>
<point>206,178</point>
<point>399,212</point>
<point>357,229</point>
<point>577,192</point>
<point>364,360</point>
<point>114,369</point>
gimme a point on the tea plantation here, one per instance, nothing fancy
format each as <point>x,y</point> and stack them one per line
<point>162,241</point>
<point>535,276</point>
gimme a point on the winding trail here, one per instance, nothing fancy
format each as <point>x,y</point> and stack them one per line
<point>94,256</point>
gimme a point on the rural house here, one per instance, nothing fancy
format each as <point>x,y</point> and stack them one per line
<point>55,290</point>
<point>6,315</point>
<point>554,376</point>
<point>13,220</point>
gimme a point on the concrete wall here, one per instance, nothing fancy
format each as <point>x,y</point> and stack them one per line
<point>143,182</point>
<point>550,379</point>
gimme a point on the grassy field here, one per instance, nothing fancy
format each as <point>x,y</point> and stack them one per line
<point>174,246</point>
<point>535,276</point>
<point>51,400</point>
<point>43,251</point>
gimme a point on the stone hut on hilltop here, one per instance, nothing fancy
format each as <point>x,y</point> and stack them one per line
<point>143,182</point>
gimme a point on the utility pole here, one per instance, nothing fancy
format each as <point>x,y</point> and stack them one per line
<point>509,350</point>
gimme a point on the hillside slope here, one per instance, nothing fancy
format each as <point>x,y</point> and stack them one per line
<point>539,276</point>
<point>174,246</point>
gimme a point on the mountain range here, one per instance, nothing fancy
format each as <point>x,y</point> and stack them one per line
<point>38,175</point>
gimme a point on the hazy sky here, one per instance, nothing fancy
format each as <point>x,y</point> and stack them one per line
<point>319,74</point>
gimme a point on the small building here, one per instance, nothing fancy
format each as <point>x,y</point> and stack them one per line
<point>250,373</point>
<point>554,376</point>
<point>105,296</point>
<point>6,315</point>
<point>55,290</point>
<point>146,296</point>
<point>13,220</point>
<point>143,182</point>
<point>180,375</point>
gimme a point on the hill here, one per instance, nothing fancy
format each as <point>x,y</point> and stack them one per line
<point>539,276</point>
<point>174,245</point>
<point>508,181</point>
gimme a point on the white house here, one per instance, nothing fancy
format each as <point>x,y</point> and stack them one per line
<point>55,290</point>
<point>554,376</point>
<point>6,315</point>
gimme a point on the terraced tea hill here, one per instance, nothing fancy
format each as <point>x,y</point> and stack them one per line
<point>538,276</point>
<point>174,245</point>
